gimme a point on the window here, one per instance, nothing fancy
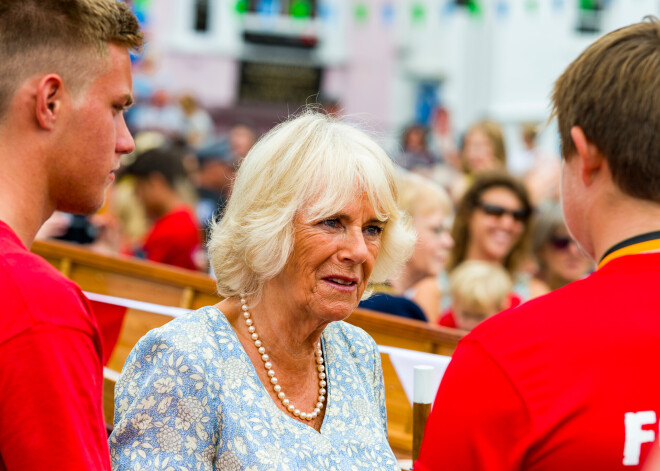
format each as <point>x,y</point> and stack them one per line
<point>589,19</point>
<point>201,18</point>
<point>294,8</point>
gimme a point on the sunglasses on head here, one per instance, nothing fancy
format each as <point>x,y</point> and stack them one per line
<point>560,243</point>
<point>520,215</point>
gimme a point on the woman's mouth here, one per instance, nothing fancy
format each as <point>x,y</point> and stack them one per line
<point>341,283</point>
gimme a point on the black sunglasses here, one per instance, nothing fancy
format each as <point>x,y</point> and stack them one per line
<point>560,243</point>
<point>520,215</point>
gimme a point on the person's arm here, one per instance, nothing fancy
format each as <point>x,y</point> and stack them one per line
<point>163,408</point>
<point>50,401</point>
<point>428,297</point>
<point>478,421</point>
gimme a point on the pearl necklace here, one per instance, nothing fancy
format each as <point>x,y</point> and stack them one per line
<point>273,379</point>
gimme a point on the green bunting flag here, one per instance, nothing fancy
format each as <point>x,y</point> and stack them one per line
<point>242,6</point>
<point>361,12</point>
<point>531,5</point>
<point>418,13</point>
<point>474,8</point>
<point>301,9</point>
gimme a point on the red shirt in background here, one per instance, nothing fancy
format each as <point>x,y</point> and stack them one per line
<point>174,239</point>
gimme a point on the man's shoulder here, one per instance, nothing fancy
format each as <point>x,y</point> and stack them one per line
<point>574,323</point>
<point>544,311</point>
<point>34,292</point>
<point>579,307</point>
<point>31,274</point>
<point>562,316</point>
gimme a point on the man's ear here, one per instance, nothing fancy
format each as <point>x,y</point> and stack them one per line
<point>590,157</point>
<point>50,93</point>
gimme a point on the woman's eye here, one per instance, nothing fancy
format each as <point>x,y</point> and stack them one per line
<point>334,223</point>
<point>374,230</point>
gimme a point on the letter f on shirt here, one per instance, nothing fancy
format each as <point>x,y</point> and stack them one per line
<point>635,436</point>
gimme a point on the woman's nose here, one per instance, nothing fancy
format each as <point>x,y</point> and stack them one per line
<point>354,248</point>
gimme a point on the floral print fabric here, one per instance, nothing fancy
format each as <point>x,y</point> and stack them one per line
<point>189,398</point>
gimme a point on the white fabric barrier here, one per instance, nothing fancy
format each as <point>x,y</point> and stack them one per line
<point>138,305</point>
<point>404,361</point>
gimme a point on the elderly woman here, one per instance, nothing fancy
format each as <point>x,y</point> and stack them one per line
<point>270,378</point>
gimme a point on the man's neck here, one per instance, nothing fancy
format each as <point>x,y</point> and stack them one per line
<point>622,219</point>
<point>24,205</point>
<point>24,195</point>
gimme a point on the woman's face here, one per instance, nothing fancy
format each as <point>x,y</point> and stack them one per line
<point>332,260</point>
<point>415,140</point>
<point>562,257</point>
<point>479,153</point>
<point>433,244</point>
<point>496,225</point>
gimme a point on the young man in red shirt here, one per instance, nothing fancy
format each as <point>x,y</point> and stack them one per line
<point>570,381</point>
<point>65,81</point>
<point>174,236</point>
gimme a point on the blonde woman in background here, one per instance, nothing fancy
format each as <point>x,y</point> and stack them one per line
<point>482,150</point>
<point>431,213</point>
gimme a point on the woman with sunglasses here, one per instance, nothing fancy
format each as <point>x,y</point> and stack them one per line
<point>492,225</point>
<point>559,259</point>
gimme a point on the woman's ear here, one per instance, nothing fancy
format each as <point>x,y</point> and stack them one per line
<point>50,92</point>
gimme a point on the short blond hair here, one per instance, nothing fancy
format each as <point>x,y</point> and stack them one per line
<point>420,196</point>
<point>479,286</point>
<point>62,37</point>
<point>312,165</point>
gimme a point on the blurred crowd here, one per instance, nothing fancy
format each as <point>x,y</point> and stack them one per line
<point>490,229</point>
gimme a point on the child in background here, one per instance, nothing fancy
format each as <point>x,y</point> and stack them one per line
<point>479,290</point>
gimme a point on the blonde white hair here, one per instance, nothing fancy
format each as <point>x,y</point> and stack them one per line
<point>480,286</point>
<point>312,165</point>
<point>419,196</point>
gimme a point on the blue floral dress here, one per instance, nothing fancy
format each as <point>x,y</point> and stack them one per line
<point>189,398</point>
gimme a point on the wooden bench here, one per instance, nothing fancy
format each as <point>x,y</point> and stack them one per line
<point>160,284</point>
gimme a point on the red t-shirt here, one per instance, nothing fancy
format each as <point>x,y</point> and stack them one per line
<point>174,239</point>
<point>51,376</point>
<point>568,381</point>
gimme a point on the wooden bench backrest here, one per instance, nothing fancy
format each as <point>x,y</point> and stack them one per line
<point>129,277</point>
<point>161,284</point>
